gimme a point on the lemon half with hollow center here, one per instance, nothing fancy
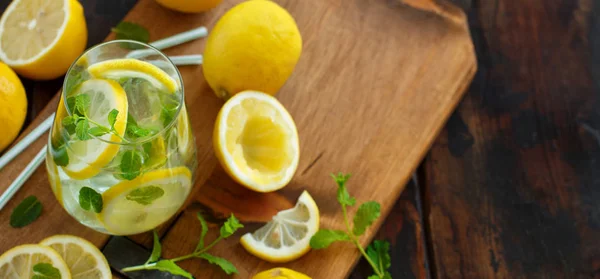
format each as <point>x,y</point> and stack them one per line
<point>86,158</point>
<point>256,141</point>
<point>84,259</point>
<point>133,68</point>
<point>40,39</point>
<point>280,273</point>
<point>142,204</point>
<point>19,261</point>
<point>287,236</point>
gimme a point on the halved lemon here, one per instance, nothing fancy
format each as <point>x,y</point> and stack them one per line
<point>19,261</point>
<point>256,141</point>
<point>287,237</point>
<point>142,204</point>
<point>84,260</point>
<point>86,158</point>
<point>40,39</point>
<point>133,68</point>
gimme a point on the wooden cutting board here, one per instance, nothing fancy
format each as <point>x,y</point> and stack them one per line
<point>376,81</point>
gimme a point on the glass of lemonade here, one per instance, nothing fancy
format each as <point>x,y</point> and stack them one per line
<point>121,154</point>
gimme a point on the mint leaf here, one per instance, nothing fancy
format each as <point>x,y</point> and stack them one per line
<point>323,238</point>
<point>26,212</point>
<point>82,130</point>
<point>134,131</point>
<point>90,200</point>
<point>131,31</point>
<point>45,271</point>
<point>60,156</point>
<point>69,123</point>
<point>82,103</point>
<point>156,249</point>
<point>379,253</point>
<point>343,196</point>
<point>224,264</point>
<point>167,115</point>
<point>112,118</point>
<point>365,216</point>
<point>231,225</point>
<point>203,233</point>
<point>131,164</point>
<point>98,131</point>
<point>171,267</point>
<point>145,195</point>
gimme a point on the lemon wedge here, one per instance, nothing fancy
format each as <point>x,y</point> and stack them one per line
<point>133,68</point>
<point>145,202</point>
<point>287,236</point>
<point>19,261</point>
<point>256,141</point>
<point>84,260</point>
<point>86,158</point>
<point>40,39</point>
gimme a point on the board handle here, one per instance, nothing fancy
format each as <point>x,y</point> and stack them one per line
<point>441,8</point>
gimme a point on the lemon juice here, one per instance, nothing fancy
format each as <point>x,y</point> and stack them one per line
<point>121,153</point>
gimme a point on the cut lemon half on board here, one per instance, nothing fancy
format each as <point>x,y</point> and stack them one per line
<point>40,39</point>
<point>87,157</point>
<point>83,259</point>
<point>145,202</point>
<point>256,141</point>
<point>287,236</point>
<point>19,262</point>
<point>133,68</point>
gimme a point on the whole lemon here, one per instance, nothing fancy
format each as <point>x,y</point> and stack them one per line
<point>254,46</point>
<point>189,6</point>
<point>13,105</point>
<point>280,273</point>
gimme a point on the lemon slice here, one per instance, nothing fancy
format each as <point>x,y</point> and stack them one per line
<point>53,177</point>
<point>133,68</point>
<point>40,39</point>
<point>19,261</point>
<point>84,260</point>
<point>184,134</point>
<point>142,204</point>
<point>86,158</point>
<point>256,141</point>
<point>287,237</point>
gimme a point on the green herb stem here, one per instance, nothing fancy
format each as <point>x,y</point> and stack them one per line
<point>111,130</point>
<point>357,244</point>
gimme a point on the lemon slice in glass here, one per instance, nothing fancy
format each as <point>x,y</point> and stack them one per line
<point>145,202</point>
<point>19,261</point>
<point>87,157</point>
<point>84,259</point>
<point>287,236</point>
<point>40,39</point>
<point>133,68</point>
<point>256,141</point>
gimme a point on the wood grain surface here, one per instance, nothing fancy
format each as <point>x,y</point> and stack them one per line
<point>382,87</point>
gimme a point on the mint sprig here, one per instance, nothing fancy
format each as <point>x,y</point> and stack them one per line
<point>45,271</point>
<point>201,252</point>
<point>83,127</point>
<point>377,253</point>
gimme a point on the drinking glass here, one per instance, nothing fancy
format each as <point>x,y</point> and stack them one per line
<point>121,153</point>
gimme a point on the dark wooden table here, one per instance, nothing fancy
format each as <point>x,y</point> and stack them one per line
<point>511,187</point>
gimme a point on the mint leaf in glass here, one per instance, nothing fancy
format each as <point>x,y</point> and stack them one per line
<point>131,164</point>
<point>145,195</point>
<point>90,200</point>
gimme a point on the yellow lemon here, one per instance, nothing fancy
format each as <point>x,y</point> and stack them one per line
<point>189,6</point>
<point>13,105</point>
<point>254,46</point>
<point>133,68</point>
<point>287,236</point>
<point>40,39</point>
<point>256,141</point>
<point>19,262</point>
<point>84,259</point>
<point>280,273</point>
